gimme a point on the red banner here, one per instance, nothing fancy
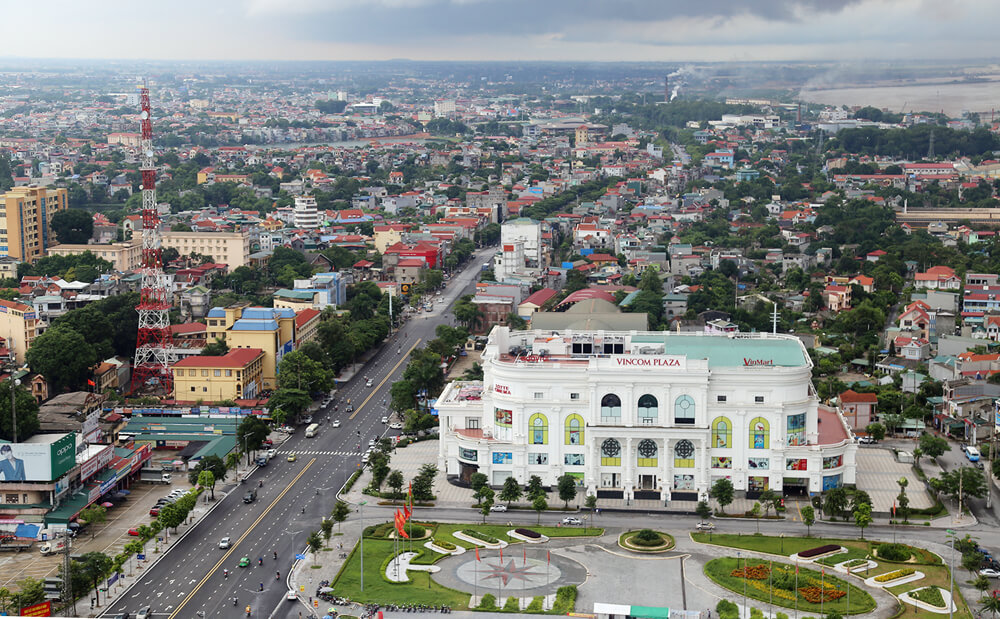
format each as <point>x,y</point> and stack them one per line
<point>37,610</point>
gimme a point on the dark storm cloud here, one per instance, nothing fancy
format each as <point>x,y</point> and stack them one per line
<point>437,20</point>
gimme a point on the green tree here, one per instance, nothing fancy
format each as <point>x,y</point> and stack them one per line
<point>534,487</point>
<point>835,502</point>
<point>403,395</point>
<point>315,543</point>
<point>72,226</point>
<point>539,504</point>
<point>327,527</point>
<point>217,348</point>
<point>298,371</point>
<point>341,510</point>
<point>251,433</point>
<point>723,492</point>
<point>211,463</point>
<point>590,502</point>
<point>876,431</point>
<point>94,515</point>
<point>566,485</point>
<point>26,408</point>
<point>485,497</point>
<point>424,371</point>
<point>769,500</point>
<point>171,516</point>
<point>933,446</point>
<point>961,482</point>
<point>703,510</point>
<point>990,605</point>
<point>206,479</point>
<point>423,483</point>
<point>511,491</point>
<point>808,518</point>
<point>478,480</point>
<point>466,312</point>
<point>863,517</point>
<point>30,591</point>
<point>96,565</point>
<point>292,402</point>
<point>63,357</point>
<point>395,481</point>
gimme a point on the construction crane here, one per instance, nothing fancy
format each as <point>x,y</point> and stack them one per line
<point>151,368</point>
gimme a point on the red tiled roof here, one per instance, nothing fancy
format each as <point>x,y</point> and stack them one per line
<point>236,358</point>
<point>851,397</point>
<point>303,317</point>
<point>187,327</point>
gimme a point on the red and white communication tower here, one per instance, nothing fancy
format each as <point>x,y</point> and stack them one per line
<point>153,345</point>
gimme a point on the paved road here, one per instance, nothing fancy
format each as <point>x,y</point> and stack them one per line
<point>293,499</point>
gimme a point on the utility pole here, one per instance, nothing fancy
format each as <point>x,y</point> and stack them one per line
<point>67,581</point>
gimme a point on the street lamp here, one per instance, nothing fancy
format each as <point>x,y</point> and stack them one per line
<point>951,575</point>
<point>14,383</point>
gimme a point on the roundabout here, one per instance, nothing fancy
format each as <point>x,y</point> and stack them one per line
<point>520,574</point>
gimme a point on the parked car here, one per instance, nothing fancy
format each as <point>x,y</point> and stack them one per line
<point>498,507</point>
<point>154,512</point>
<point>144,613</point>
<point>989,573</point>
<point>224,543</point>
<point>307,419</point>
<point>271,453</point>
<point>570,520</point>
<point>705,526</point>
<point>385,420</point>
<point>867,440</point>
<point>395,425</point>
<point>134,532</point>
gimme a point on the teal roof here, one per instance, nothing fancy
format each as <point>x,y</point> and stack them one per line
<point>650,612</point>
<point>733,352</point>
<point>305,295</point>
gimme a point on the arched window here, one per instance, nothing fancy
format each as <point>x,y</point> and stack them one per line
<point>611,409</point>
<point>760,433</point>
<point>683,454</point>
<point>574,430</point>
<point>647,451</point>
<point>649,410</point>
<point>684,410</point>
<point>722,433</point>
<point>538,429</point>
<point>611,452</point>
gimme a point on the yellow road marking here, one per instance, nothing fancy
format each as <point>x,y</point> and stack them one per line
<point>387,377</point>
<point>232,548</point>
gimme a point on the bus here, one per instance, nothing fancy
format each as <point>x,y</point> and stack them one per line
<point>312,430</point>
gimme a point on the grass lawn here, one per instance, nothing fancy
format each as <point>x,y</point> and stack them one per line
<point>933,575</point>
<point>852,553</point>
<point>499,531</point>
<point>720,572</point>
<point>770,544</point>
<point>420,590</point>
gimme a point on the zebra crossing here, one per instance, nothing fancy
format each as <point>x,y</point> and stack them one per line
<point>318,453</point>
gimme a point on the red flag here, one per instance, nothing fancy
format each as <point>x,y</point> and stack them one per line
<point>400,522</point>
<point>525,560</point>
<point>407,512</point>
<point>91,383</point>
<point>548,557</point>
<point>501,554</point>
<point>477,553</point>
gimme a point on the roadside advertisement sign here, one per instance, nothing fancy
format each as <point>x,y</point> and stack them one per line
<point>37,461</point>
<point>37,610</point>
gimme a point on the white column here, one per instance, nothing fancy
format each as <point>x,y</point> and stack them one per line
<point>628,481</point>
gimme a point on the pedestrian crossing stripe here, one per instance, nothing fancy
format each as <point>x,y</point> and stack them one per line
<point>321,453</point>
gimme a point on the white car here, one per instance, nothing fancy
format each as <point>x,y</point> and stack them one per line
<point>144,613</point>
<point>705,526</point>
<point>271,453</point>
<point>369,383</point>
<point>570,520</point>
<point>224,543</point>
<point>395,425</point>
<point>372,443</point>
<point>498,507</point>
<point>336,423</point>
<point>291,596</point>
<point>385,420</point>
<point>989,573</point>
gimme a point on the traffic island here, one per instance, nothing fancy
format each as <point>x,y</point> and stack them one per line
<point>646,540</point>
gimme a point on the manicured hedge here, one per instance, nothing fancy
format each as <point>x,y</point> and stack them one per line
<point>527,533</point>
<point>894,552</point>
<point>929,595</point>
<point>489,539</point>
<point>819,550</point>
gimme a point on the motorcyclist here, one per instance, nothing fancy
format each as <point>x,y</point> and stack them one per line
<point>277,575</point>
<point>248,610</point>
<point>260,561</point>
<point>275,555</point>
<point>225,573</point>
<point>234,601</point>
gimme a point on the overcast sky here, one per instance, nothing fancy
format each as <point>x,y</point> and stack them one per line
<point>643,30</point>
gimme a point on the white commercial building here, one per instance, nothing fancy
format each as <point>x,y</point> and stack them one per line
<point>645,415</point>
<point>526,231</point>
<point>306,215</point>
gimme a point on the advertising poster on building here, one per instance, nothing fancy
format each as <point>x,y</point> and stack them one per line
<point>37,461</point>
<point>37,610</point>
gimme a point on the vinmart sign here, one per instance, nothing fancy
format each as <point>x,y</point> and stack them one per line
<point>643,362</point>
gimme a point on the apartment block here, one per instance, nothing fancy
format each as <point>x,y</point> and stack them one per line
<point>229,248</point>
<point>25,221</point>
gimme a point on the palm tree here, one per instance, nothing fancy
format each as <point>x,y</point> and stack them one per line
<point>990,604</point>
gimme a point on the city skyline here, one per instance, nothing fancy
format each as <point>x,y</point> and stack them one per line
<point>633,30</point>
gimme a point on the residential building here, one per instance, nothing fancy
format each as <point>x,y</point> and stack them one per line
<point>526,231</point>
<point>235,375</point>
<point>858,409</point>
<point>26,221</point>
<point>19,326</point>
<point>938,278</point>
<point>306,215</point>
<point>125,256</point>
<point>645,415</point>
<point>272,330</point>
<point>229,248</point>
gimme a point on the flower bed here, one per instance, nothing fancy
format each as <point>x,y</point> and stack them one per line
<point>752,572</point>
<point>647,538</point>
<point>489,539</point>
<point>819,550</point>
<point>906,571</point>
<point>929,595</point>
<point>814,594</point>
<point>528,533</point>
<point>856,563</point>
<point>443,544</point>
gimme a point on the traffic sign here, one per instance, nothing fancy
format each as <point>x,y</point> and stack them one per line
<point>299,557</point>
<point>140,557</point>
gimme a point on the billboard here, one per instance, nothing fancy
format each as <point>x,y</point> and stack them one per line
<point>37,461</point>
<point>37,610</point>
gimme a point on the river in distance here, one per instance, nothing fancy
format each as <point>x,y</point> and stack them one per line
<point>952,98</point>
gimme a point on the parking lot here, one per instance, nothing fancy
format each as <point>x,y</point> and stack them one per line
<point>877,474</point>
<point>108,537</point>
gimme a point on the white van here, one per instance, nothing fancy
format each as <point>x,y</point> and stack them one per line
<point>312,430</point>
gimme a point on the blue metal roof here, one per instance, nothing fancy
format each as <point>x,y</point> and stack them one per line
<point>244,324</point>
<point>216,312</point>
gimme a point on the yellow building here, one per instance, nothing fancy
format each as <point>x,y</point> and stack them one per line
<point>229,248</point>
<point>18,327</point>
<point>272,330</point>
<point>388,235</point>
<point>582,135</point>
<point>126,256</point>
<point>26,221</point>
<point>236,375</point>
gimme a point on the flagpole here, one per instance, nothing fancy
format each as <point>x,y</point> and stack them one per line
<point>499,579</point>
<point>796,589</point>
<point>822,589</point>
<point>770,591</point>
